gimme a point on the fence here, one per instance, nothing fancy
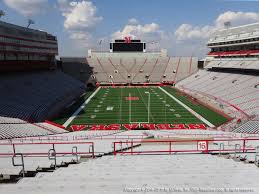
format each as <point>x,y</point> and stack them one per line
<point>51,154</point>
<point>50,146</point>
<point>206,146</point>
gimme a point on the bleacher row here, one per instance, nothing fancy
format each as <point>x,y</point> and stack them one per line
<point>239,63</point>
<point>237,89</point>
<point>35,96</point>
<point>14,128</point>
<point>142,70</point>
<point>248,127</point>
<point>125,171</point>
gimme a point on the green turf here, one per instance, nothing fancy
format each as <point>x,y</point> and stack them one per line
<point>202,110</point>
<point>163,109</point>
<point>63,117</point>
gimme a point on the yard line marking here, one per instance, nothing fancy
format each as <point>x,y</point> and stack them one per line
<point>70,119</point>
<point>145,105</point>
<point>120,106</point>
<point>188,108</point>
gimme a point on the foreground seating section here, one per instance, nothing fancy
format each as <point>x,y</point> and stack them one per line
<point>7,120</point>
<point>8,131</point>
<point>151,69</point>
<point>237,89</point>
<point>127,173</point>
<point>15,128</point>
<point>248,127</point>
<point>36,96</point>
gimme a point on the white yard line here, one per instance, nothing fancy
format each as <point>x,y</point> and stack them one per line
<point>80,108</point>
<point>188,108</point>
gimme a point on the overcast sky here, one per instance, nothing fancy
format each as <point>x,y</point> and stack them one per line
<point>181,26</point>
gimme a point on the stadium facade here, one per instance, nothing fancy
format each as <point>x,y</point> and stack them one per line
<point>31,85</point>
<point>23,48</point>
<point>131,64</point>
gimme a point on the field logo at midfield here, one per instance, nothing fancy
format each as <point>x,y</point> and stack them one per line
<point>132,98</point>
<point>139,126</point>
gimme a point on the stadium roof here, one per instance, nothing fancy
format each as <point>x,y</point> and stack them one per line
<point>235,33</point>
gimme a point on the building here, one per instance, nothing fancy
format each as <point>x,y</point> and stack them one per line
<point>23,48</point>
<point>241,41</point>
<point>128,62</point>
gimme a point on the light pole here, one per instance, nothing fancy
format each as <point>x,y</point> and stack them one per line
<point>148,107</point>
<point>30,21</point>
<point>2,13</point>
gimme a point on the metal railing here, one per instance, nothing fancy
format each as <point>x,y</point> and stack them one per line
<point>198,146</point>
<point>51,152</point>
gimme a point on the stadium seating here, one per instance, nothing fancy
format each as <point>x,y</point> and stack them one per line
<point>36,96</point>
<point>77,68</point>
<point>237,89</point>
<point>127,174</point>
<point>248,127</point>
<point>6,120</point>
<point>238,63</point>
<point>8,131</point>
<point>14,128</point>
<point>148,69</point>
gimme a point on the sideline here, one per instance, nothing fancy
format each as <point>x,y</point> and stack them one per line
<point>70,119</point>
<point>188,108</point>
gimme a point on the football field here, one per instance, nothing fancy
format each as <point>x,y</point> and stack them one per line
<point>157,105</point>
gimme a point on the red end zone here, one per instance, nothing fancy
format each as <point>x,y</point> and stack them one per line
<point>132,98</point>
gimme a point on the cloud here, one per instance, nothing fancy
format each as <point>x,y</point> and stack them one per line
<point>133,21</point>
<point>150,33</point>
<point>146,32</point>
<point>237,18</point>
<point>192,39</point>
<point>27,7</point>
<point>188,32</point>
<point>80,18</point>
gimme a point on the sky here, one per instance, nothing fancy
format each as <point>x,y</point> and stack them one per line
<point>181,26</point>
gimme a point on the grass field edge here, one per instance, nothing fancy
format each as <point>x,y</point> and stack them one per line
<point>188,108</point>
<point>80,108</point>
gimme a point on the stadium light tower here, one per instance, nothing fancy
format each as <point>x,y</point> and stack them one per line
<point>2,13</point>
<point>227,24</point>
<point>30,21</point>
<point>148,108</point>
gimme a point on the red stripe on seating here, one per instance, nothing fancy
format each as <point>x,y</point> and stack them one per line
<point>252,108</point>
<point>190,66</point>
<point>243,95</point>
<point>177,70</point>
<point>55,124</point>
<point>251,100</point>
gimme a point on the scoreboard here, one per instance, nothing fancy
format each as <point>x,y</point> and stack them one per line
<point>127,45</point>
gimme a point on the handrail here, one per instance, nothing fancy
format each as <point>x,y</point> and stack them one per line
<point>48,143</point>
<point>75,153</point>
<point>50,152</point>
<point>52,155</point>
<point>21,164</point>
<point>237,149</point>
<point>257,155</point>
<point>221,147</point>
<point>202,146</point>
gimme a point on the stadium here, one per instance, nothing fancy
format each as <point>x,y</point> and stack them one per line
<point>129,119</point>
